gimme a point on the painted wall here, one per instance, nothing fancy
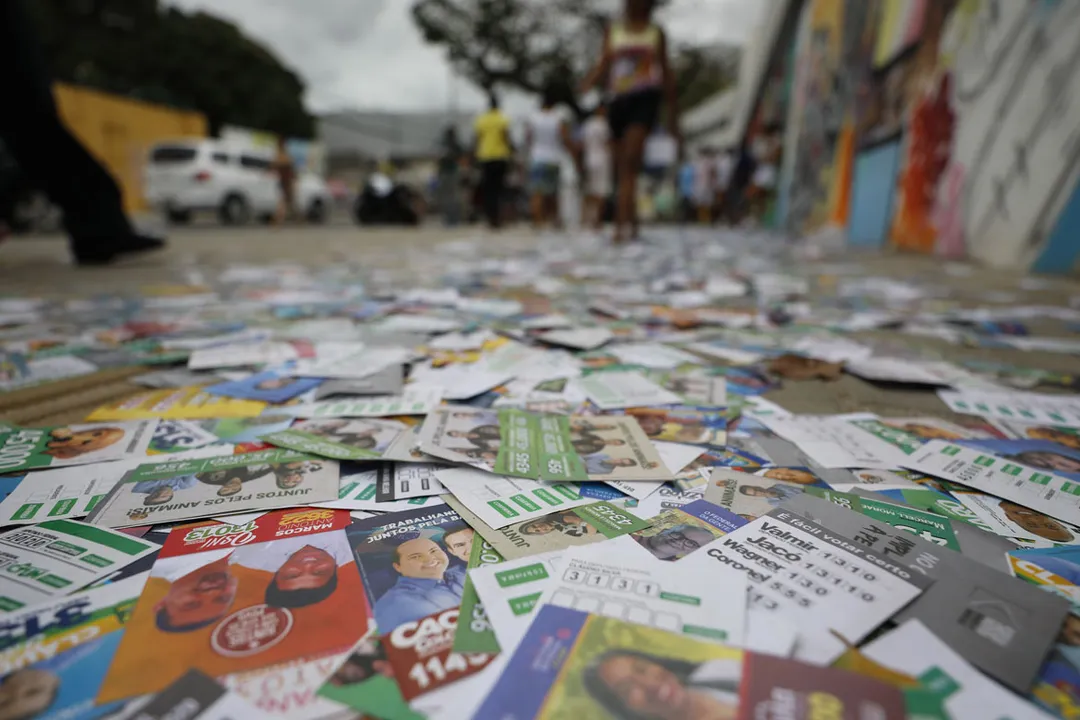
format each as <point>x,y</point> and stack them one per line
<point>981,99</point>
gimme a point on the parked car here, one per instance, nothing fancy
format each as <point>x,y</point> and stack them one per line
<point>187,176</point>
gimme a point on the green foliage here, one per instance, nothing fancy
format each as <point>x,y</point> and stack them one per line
<point>195,61</point>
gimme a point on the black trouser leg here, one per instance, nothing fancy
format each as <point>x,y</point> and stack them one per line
<point>48,154</point>
<point>493,187</point>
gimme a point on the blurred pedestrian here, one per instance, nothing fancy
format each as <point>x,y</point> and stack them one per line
<point>493,150</point>
<point>50,157</point>
<point>635,65</point>
<point>596,139</point>
<point>704,185</point>
<point>548,138</point>
<point>448,180</point>
<point>286,172</point>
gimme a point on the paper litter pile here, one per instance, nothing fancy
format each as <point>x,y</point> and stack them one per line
<point>549,485</point>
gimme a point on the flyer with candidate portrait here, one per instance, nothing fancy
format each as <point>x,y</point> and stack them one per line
<point>365,682</point>
<point>677,532</point>
<point>58,557</point>
<point>1008,478</point>
<point>1049,455</point>
<point>173,436</point>
<point>749,496</point>
<point>696,426</point>
<point>225,599</point>
<point>414,567</point>
<point>474,631</point>
<point>157,493</point>
<point>78,444</point>
<point>559,530</point>
<point>412,401</point>
<point>573,664</point>
<point>56,672</point>
<point>340,438</point>
<point>269,386</point>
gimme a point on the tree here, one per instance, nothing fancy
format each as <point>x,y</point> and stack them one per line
<point>531,45</point>
<point>196,61</point>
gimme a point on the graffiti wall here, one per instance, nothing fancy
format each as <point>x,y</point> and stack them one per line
<point>970,109</point>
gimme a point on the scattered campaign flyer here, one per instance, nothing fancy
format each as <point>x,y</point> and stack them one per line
<point>748,496</point>
<point>627,586</point>
<point>462,434</point>
<point>389,381</point>
<point>174,436</point>
<point>667,497</point>
<point>246,430</point>
<point>289,689</point>
<point>79,444</point>
<point>414,566</point>
<point>194,696</point>
<point>413,401</point>
<point>846,441</point>
<point>58,557</point>
<point>500,501</point>
<point>956,689</point>
<point>828,583</point>
<point>578,338</point>
<point>187,403</point>
<point>695,388</point>
<point>618,390</point>
<point>225,599</point>
<point>930,527</point>
<point>610,447</point>
<point>1017,430</point>
<point>240,355</point>
<point>365,682</point>
<point>167,492</point>
<point>474,631</point>
<point>996,622</point>
<point>1010,520</point>
<point>269,386</point>
<point>573,664</point>
<point>340,439</point>
<point>1046,455</point>
<point>675,533</point>
<point>583,525</point>
<point>40,632</point>
<point>652,355</point>
<point>1010,479</point>
<point>359,488</point>
<point>59,493</point>
<point>700,426</point>
<point>57,670</point>
<point>1060,410</point>
<point>1055,570</point>
<point>404,481</point>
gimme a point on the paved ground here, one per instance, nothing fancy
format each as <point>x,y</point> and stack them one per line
<point>41,267</point>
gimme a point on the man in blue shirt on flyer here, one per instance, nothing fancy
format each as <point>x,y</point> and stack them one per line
<point>426,584</point>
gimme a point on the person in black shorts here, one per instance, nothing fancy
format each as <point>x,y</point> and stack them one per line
<point>641,84</point>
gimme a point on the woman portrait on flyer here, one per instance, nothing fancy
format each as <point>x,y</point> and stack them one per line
<point>640,84</point>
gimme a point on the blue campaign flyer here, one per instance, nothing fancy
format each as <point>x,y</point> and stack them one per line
<point>67,684</point>
<point>268,386</point>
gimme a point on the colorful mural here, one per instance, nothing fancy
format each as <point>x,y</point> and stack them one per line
<point>975,103</point>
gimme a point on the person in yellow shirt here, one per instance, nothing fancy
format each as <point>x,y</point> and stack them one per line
<point>493,151</point>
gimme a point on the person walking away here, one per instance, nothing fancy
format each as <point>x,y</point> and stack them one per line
<point>286,172</point>
<point>635,63</point>
<point>50,156</point>
<point>745,166</point>
<point>596,138</point>
<point>548,138</point>
<point>704,185</point>
<point>448,180</point>
<point>763,180</point>
<point>493,151</point>
<point>725,167</point>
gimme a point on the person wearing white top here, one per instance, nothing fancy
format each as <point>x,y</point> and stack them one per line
<point>548,139</point>
<point>596,138</point>
<point>704,185</point>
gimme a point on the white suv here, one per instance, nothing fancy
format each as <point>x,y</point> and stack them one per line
<point>187,176</point>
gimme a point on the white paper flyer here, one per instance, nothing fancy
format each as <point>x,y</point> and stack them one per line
<point>502,501</point>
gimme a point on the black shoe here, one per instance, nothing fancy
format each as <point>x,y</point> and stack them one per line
<point>103,254</point>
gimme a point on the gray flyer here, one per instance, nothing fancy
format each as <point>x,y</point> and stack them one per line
<point>1000,624</point>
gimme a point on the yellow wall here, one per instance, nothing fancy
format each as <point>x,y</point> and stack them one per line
<point>118,130</point>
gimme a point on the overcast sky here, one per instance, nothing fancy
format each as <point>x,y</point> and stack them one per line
<point>367,54</point>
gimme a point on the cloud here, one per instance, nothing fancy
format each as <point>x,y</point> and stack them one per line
<point>367,54</point>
